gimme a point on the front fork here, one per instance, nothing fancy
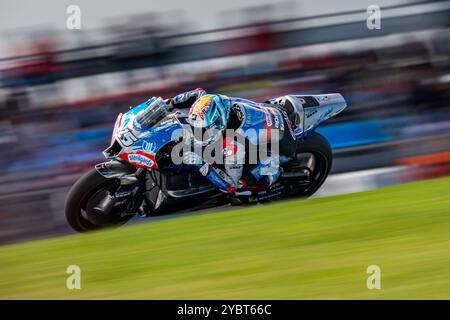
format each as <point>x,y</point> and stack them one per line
<point>130,190</point>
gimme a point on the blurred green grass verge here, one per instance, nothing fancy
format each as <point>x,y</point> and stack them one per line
<point>303,249</point>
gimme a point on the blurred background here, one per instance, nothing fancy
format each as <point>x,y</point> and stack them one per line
<point>61,89</point>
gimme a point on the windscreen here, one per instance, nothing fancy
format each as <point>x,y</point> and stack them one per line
<point>155,112</point>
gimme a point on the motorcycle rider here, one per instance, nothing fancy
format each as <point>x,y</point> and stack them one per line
<point>216,113</point>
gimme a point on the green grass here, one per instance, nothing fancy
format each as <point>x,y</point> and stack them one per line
<point>310,249</point>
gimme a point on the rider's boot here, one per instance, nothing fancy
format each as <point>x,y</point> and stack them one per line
<point>293,109</point>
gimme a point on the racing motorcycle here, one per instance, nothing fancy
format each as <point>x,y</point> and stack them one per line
<point>140,178</point>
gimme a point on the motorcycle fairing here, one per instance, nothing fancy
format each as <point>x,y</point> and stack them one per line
<point>315,109</point>
<point>139,144</point>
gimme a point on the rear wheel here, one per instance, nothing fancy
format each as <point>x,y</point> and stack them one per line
<point>313,160</point>
<point>82,198</point>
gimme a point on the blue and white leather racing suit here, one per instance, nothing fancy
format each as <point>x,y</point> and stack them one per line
<point>255,122</point>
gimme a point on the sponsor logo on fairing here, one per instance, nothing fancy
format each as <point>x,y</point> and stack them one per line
<point>148,147</point>
<point>310,114</point>
<point>140,160</point>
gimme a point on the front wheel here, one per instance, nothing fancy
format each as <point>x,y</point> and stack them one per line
<point>85,195</point>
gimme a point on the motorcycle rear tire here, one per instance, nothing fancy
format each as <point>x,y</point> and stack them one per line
<point>319,146</point>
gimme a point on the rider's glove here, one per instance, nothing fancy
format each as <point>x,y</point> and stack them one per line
<point>169,104</point>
